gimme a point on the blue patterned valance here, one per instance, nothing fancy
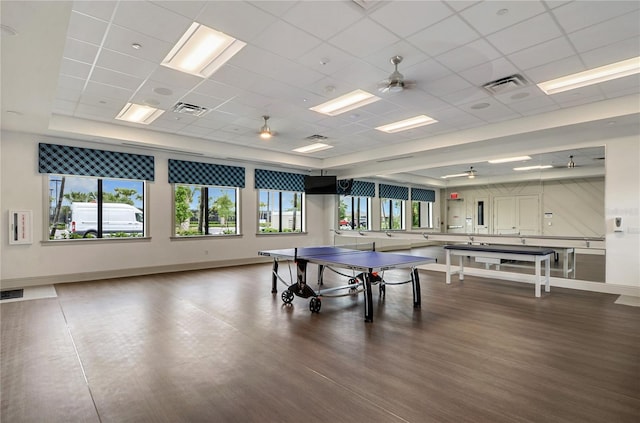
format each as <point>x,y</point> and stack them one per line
<point>358,189</point>
<point>281,181</point>
<point>419,194</point>
<point>183,172</point>
<point>394,192</point>
<point>65,160</point>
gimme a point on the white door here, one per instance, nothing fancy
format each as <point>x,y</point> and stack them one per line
<point>518,214</point>
<point>528,214</point>
<point>456,216</point>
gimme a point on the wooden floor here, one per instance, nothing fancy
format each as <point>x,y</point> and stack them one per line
<point>217,346</point>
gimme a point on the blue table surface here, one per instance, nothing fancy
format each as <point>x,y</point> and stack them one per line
<point>346,256</point>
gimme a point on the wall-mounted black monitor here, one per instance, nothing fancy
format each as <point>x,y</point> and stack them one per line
<point>320,185</point>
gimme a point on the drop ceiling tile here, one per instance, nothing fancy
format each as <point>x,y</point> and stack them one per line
<point>612,53</point>
<point>496,111</point>
<point>106,76</point>
<point>152,20</point>
<point>241,20</point>
<point>352,40</point>
<point>71,83</point>
<point>411,56</point>
<point>534,102</point>
<point>408,17</point>
<point>190,9</point>
<point>110,106</point>
<point>168,77</point>
<point>427,71</point>
<point>459,5</point>
<point>621,86</point>
<point>109,59</point>
<point>446,35</point>
<point>98,9</point>
<point>554,70</point>
<point>468,56</point>
<point>608,32</point>
<point>196,131</point>
<point>86,28</point>
<point>447,85</point>
<point>467,95</point>
<point>328,19</point>
<point>526,34</point>
<point>80,51</point>
<point>488,17</point>
<point>541,54</point>
<point>101,90</point>
<point>325,59</point>
<point>581,14</point>
<point>74,69</point>
<point>578,96</point>
<point>121,39</point>
<point>286,40</point>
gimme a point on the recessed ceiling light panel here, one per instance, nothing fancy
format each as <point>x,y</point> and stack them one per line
<point>202,50</point>
<point>510,159</point>
<point>593,76</point>
<point>345,103</point>
<point>312,148</point>
<point>406,124</point>
<point>139,113</point>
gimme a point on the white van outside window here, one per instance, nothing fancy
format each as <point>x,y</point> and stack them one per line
<point>89,207</point>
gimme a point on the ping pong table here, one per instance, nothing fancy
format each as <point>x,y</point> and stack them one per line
<point>365,261</point>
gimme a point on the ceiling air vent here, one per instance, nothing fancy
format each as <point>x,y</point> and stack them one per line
<point>190,109</point>
<point>508,83</point>
<point>316,137</point>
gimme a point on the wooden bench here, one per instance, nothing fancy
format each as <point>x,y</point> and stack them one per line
<point>495,253</point>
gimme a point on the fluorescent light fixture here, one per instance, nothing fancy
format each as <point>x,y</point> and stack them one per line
<point>457,175</point>
<point>592,76</point>
<point>312,148</point>
<point>201,51</point>
<point>342,104</point>
<point>510,159</point>
<point>138,113</point>
<point>533,167</point>
<point>406,124</point>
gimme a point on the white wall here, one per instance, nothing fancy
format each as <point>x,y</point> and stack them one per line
<point>44,262</point>
<point>622,199</point>
<point>22,187</point>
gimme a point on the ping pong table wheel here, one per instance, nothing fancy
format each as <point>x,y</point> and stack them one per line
<point>314,305</point>
<point>287,296</point>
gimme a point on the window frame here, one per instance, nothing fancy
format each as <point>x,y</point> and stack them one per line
<point>354,214</point>
<point>389,220</point>
<point>51,202</point>
<point>301,210</point>
<point>207,189</point>
<point>428,214</point>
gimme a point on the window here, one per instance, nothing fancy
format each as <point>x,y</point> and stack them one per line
<point>353,213</point>
<point>280,211</point>
<point>205,210</point>
<point>85,207</point>
<point>391,214</point>
<point>422,214</point>
<point>94,193</point>
<point>392,199</point>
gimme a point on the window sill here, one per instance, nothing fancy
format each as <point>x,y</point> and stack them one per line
<point>50,242</point>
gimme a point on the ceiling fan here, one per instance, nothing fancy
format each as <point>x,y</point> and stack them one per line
<point>395,82</point>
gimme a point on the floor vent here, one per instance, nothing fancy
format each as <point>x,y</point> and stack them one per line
<point>508,83</point>
<point>10,294</point>
<point>190,109</point>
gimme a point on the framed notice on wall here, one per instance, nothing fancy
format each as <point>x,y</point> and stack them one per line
<point>20,227</point>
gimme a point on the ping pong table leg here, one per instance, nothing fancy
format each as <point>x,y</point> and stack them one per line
<point>416,288</point>
<point>368,297</point>
<point>274,277</point>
